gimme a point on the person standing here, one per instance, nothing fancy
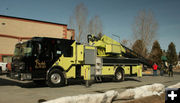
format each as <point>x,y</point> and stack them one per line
<point>155,69</point>
<point>171,70</point>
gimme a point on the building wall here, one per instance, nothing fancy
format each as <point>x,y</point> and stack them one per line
<point>28,28</point>
<point>7,45</point>
<point>70,34</point>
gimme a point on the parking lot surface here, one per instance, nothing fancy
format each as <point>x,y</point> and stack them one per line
<point>13,91</point>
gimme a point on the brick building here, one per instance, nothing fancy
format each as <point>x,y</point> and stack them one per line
<point>15,29</point>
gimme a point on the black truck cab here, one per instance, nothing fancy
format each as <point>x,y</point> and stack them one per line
<point>33,58</point>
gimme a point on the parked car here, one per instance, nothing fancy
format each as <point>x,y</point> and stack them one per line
<point>3,67</point>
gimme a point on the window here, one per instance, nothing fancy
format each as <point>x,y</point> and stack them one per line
<point>37,49</point>
<point>63,48</point>
<point>68,52</point>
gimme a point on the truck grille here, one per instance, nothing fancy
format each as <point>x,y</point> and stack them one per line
<point>17,66</point>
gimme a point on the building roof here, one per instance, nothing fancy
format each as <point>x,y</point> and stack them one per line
<point>71,29</point>
<point>19,18</point>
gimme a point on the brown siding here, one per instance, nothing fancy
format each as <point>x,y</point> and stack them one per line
<point>70,34</point>
<point>7,45</point>
<point>0,58</point>
<point>28,28</point>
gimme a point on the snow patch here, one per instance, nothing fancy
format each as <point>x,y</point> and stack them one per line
<point>143,91</point>
<point>106,97</point>
<point>175,86</point>
<point>109,96</point>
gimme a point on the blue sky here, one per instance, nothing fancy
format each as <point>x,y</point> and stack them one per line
<point>117,16</point>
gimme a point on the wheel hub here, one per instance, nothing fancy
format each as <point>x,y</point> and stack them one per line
<point>55,78</point>
<point>118,75</point>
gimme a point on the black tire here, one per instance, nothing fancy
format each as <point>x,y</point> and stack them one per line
<point>0,70</point>
<point>40,82</point>
<point>119,75</point>
<point>55,78</point>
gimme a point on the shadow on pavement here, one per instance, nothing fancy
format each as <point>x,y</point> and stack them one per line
<point>8,82</point>
<point>30,84</point>
<point>131,79</point>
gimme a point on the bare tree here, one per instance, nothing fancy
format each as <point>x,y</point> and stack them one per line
<point>95,26</point>
<point>79,22</point>
<point>71,23</point>
<point>126,43</point>
<point>138,46</point>
<point>145,28</point>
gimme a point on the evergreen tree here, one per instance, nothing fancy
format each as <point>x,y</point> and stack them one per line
<point>171,54</point>
<point>138,47</point>
<point>164,57</point>
<point>164,53</point>
<point>156,52</point>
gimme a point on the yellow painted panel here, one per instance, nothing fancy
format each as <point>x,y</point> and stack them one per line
<point>139,70</point>
<point>126,69</point>
<point>134,69</point>
<point>113,49</point>
<point>66,62</point>
<point>108,48</point>
<point>80,52</point>
<point>86,72</point>
<point>109,40</point>
<point>89,47</point>
<point>108,70</point>
<point>71,73</point>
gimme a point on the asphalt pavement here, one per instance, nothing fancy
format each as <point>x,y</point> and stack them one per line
<point>14,91</point>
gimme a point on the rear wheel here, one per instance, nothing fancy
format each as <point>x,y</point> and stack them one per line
<point>119,75</point>
<point>55,78</point>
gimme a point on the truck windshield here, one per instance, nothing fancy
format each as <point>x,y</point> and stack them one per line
<point>23,49</point>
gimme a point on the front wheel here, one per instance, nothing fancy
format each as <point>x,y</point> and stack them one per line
<point>119,75</point>
<point>0,71</point>
<point>55,78</point>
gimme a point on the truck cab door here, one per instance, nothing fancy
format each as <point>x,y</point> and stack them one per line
<point>39,61</point>
<point>67,59</point>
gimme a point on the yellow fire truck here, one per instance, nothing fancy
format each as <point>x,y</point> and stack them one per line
<point>54,61</point>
